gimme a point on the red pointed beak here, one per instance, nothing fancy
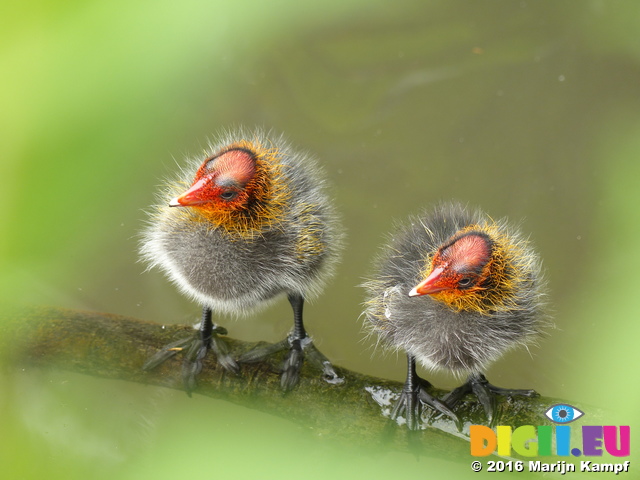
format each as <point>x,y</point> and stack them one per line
<point>430,284</point>
<point>193,196</point>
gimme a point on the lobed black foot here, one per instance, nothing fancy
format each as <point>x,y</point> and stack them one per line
<point>410,405</point>
<point>414,397</point>
<point>486,394</point>
<point>438,406</point>
<point>318,360</point>
<point>292,365</point>
<point>299,346</point>
<point>298,349</point>
<point>196,349</point>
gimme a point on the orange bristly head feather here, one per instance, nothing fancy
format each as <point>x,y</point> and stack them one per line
<point>240,189</point>
<point>478,270</point>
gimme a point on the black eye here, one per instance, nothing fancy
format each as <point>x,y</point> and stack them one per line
<point>228,195</point>
<point>465,282</point>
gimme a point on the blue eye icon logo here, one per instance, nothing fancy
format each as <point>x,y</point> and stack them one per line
<point>563,413</point>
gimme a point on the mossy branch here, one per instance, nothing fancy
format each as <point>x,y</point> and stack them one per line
<point>115,347</point>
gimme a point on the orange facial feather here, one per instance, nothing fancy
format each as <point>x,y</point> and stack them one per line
<point>479,270</point>
<point>242,189</point>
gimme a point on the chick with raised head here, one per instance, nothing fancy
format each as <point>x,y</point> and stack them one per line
<point>455,290</point>
<point>242,225</point>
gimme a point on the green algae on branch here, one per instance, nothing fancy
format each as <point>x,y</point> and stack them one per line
<point>116,347</point>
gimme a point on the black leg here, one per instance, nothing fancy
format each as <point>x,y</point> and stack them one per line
<point>297,303</point>
<point>478,385</point>
<point>293,362</point>
<point>408,403</point>
<point>209,340</point>
<point>206,328</point>
<point>414,395</point>
<point>299,346</point>
<point>192,364</point>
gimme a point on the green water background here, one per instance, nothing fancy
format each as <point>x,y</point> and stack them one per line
<point>530,110</point>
